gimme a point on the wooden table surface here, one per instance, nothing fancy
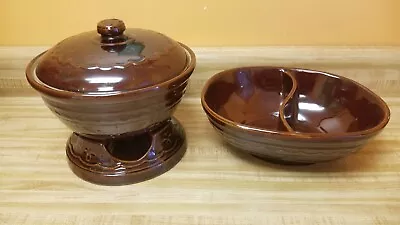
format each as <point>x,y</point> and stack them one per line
<point>212,184</point>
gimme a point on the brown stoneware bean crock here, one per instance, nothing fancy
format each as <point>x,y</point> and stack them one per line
<point>116,88</point>
<point>292,115</point>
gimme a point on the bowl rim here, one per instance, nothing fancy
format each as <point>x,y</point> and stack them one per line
<point>288,134</point>
<point>45,89</point>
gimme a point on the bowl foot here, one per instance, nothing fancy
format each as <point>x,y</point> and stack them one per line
<point>129,158</point>
<point>281,161</point>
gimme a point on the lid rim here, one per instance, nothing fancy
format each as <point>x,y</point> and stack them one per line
<point>113,59</point>
<point>46,89</point>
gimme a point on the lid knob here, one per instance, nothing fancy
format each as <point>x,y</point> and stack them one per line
<point>111,27</point>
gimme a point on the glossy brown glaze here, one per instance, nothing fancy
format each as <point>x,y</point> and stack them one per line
<point>251,98</point>
<point>120,60</point>
<point>331,104</point>
<point>118,114</point>
<point>120,111</point>
<point>323,117</point>
<point>129,158</point>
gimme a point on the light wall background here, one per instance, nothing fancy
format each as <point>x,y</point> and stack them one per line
<point>210,22</point>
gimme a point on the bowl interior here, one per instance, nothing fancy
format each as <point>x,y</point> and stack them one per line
<point>250,96</point>
<point>311,101</point>
<point>331,104</point>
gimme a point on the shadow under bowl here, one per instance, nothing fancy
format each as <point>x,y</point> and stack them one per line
<point>292,115</point>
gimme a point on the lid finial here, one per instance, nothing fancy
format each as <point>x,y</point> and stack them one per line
<point>111,27</point>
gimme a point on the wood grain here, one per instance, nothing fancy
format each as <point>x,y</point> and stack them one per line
<point>213,184</point>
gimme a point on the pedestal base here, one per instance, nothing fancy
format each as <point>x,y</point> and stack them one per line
<point>127,159</point>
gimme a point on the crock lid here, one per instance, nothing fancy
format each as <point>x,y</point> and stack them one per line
<point>112,59</point>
